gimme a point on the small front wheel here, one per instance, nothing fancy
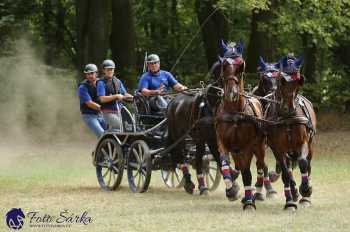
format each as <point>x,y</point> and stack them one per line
<point>139,166</point>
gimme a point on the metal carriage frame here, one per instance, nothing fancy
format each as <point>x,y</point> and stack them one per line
<point>139,149</point>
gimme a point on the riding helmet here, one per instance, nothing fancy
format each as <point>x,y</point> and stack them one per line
<point>108,64</point>
<point>153,58</point>
<point>89,68</point>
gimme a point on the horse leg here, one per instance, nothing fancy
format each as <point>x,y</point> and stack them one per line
<point>270,192</point>
<point>305,188</point>
<point>290,205</point>
<point>178,156</point>
<point>293,184</point>
<point>232,188</point>
<point>200,150</point>
<point>261,167</point>
<point>248,200</point>
<point>275,175</point>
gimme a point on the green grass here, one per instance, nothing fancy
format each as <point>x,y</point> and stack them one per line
<point>52,178</point>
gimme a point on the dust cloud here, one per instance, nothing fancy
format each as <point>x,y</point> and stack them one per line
<point>38,104</point>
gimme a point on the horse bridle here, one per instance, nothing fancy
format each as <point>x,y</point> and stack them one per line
<point>232,61</point>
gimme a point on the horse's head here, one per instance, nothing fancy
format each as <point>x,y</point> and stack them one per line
<point>232,68</point>
<point>268,74</point>
<point>288,85</point>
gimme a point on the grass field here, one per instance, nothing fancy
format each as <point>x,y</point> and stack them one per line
<point>50,179</point>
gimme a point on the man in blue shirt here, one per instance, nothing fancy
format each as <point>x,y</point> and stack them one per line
<point>111,92</point>
<point>156,81</point>
<point>89,102</point>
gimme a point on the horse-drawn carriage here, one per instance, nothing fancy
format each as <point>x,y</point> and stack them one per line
<point>238,126</point>
<point>140,147</point>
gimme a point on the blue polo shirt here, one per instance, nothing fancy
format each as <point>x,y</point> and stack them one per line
<point>103,91</point>
<point>152,81</point>
<point>85,96</point>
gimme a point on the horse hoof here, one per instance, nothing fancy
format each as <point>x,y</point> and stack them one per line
<point>232,194</point>
<point>305,190</point>
<point>189,187</point>
<point>290,207</point>
<point>249,208</point>
<point>305,202</point>
<point>248,205</point>
<point>273,176</point>
<point>295,195</point>
<point>258,197</point>
<point>272,194</point>
<point>204,191</point>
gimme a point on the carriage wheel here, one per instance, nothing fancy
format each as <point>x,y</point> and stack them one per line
<point>109,164</point>
<point>211,171</point>
<point>172,178</point>
<point>139,166</point>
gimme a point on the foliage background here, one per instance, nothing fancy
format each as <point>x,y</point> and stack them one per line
<point>66,34</point>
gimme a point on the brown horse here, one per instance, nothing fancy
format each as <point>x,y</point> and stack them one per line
<point>239,131</point>
<point>290,136</point>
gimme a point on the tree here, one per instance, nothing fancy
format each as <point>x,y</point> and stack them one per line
<point>92,31</point>
<point>261,38</point>
<point>123,40</point>
<point>214,28</point>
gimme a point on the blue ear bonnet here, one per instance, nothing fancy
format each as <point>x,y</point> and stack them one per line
<point>289,64</point>
<point>267,67</point>
<point>234,51</point>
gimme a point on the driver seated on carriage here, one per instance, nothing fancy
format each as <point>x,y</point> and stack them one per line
<point>156,82</point>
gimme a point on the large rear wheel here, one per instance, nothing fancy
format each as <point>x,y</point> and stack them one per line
<point>172,178</point>
<point>109,163</point>
<point>139,166</point>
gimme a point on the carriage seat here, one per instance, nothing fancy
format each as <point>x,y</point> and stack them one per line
<point>147,105</point>
<point>145,114</point>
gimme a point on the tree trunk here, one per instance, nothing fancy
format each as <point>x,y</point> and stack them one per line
<point>259,40</point>
<point>123,41</point>
<point>214,29</point>
<point>48,32</point>
<point>97,31</point>
<point>310,52</point>
<point>92,31</point>
<point>82,15</point>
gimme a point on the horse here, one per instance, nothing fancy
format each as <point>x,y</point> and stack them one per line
<point>189,113</point>
<point>291,134</point>
<point>267,74</point>
<point>239,130</point>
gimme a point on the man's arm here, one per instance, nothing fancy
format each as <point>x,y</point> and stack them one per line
<point>93,105</point>
<point>147,92</point>
<point>86,98</point>
<point>179,87</point>
<point>110,98</point>
<point>101,92</point>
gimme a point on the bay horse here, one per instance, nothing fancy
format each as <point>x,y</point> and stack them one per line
<point>268,74</point>
<point>290,136</point>
<point>239,131</point>
<point>189,112</point>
